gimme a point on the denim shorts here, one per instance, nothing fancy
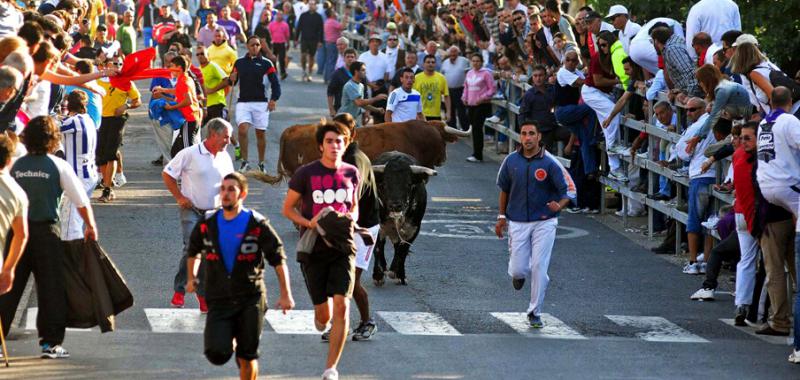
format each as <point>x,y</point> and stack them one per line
<point>699,203</point>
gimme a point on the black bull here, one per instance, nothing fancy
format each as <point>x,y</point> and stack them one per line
<point>403,199</point>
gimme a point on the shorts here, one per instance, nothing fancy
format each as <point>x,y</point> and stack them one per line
<point>327,273</point>
<point>109,138</point>
<point>699,202</point>
<point>217,110</point>
<point>241,319</point>
<point>308,47</point>
<point>253,113</point>
<point>364,252</point>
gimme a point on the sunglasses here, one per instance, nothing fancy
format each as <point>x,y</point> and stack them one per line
<point>200,54</point>
<point>694,109</point>
<point>116,63</point>
<point>391,39</point>
<point>747,138</point>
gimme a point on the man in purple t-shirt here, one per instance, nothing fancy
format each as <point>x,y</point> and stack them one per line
<point>233,27</point>
<point>327,182</point>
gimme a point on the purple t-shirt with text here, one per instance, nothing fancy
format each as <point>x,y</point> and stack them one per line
<point>322,187</point>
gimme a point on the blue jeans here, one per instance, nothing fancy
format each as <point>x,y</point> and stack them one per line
<point>573,117</point>
<point>147,33</point>
<point>699,202</point>
<point>189,219</point>
<point>663,182</point>
<point>321,60</point>
<point>330,59</point>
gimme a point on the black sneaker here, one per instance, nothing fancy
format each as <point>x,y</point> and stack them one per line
<point>326,336</point>
<point>741,315</point>
<point>535,321</point>
<point>107,196</point>
<point>365,331</point>
<point>54,352</point>
<point>518,283</point>
<point>158,161</point>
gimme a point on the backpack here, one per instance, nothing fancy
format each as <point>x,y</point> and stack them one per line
<point>779,78</point>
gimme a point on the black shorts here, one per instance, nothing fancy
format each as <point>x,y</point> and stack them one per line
<point>328,272</point>
<point>109,138</point>
<point>217,110</point>
<point>308,47</point>
<point>240,319</point>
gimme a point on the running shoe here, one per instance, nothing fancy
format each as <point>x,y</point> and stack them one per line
<point>54,352</point>
<point>107,195</point>
<point>691,268</point>
<point>326,336</point>
<point>262,167</point>
<point>203,306</point>
<point>473,159</point>
<point>244,167</point>
<point>518,283</point>
<point>158,161</point>
<point>177,300</point>
<point>119,180</point>
<point>794,357</point>
<point>535,321</point>
<point>365,331</point>
<point>618,175</point>
<point>703,294</point>
<point>330,374</point>
<point>741,315</point>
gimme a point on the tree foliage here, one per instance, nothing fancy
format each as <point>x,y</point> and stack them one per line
<point>773,22</point>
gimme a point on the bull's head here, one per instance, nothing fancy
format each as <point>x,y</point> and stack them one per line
<point>396,183</point>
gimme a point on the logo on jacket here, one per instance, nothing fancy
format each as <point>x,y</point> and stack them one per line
<point>540,174</point>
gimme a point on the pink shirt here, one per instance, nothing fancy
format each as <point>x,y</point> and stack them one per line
<point>279,32</point>
<point>333,30</point>
<point>478,86</point>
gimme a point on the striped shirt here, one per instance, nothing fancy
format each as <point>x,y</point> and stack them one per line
<point>80,141</point>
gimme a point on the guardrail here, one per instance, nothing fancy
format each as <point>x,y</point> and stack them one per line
<point>514,92</point>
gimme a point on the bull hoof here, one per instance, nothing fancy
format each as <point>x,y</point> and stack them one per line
<point>379,283</point>
<point>402,282</point>
<point>391,274</point>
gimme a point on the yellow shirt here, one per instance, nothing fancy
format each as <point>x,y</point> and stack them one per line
<point>212,76</point>
<point>223,55</point>
<point>115,97</point>
<point>432,88</point>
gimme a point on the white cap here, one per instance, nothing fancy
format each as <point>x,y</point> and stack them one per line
<point>617,10</point>
<point>745,39</point>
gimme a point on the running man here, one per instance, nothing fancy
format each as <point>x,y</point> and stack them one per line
<point>80,141</point>
<point>234,276</point>
<point>329,273</point>
<point>534,188</point>
<point>253,107</point>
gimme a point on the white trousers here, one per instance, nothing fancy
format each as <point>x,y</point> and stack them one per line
<point>746,268</point>
<point>531,245</point>
<point>70,220</point>
<point>164,137</point>
<point>644,54</point>
<point>785,197</point>
<point>603,104</point>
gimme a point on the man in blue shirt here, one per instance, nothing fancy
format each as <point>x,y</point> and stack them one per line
<point>534,187</point>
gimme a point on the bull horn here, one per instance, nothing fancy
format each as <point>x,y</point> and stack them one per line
<point>416,169</point>
<point>378,168</point>
<point>458,132</point>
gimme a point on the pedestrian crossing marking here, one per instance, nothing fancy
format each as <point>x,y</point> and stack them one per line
<point>553,328</point>
<point>453,199</point>
<point>30,320</point>
<point>658,329</point>
<point>293,322</point>
<point>781,340</point>
<point>176,320</point>
<point>418,323</point>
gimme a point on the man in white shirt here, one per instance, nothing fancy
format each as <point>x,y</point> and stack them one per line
<point>377,63</point>
<point>200,169</point>
<point>393,55</point>
<point>641,49</point>
<point>714,17</point>
<point>619,17</point>
<point>404,103</point>
<point>454,69</point>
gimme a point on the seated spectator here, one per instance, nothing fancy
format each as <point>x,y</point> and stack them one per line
<point>667,120</point>
<point>726,250</point>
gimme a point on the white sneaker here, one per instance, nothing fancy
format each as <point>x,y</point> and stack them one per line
<point>618,175</point>
<point>703,295</point>
<point>711,223</point>
<point>55,352</point>
<point>493,119</point>
<point>794,357</point>
<point>119,180</point>
<point>473,159</point>
<point>330,374</point>
<point>691,269</point>
<point>619,213</point>
<point>701,267</point>
<point>244,167</point>
<point>701,257</point>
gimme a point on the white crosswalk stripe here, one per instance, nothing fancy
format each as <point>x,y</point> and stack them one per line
<point>293,322</point>
<point>176,320</point>
<point>658,329</point>
<point>553,328</point>
<point>780,340</point>
<point>418,323</point>
<point>33,313</point>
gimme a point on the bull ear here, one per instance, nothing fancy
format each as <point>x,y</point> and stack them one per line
<point>378,168</point>
<point>416,169</point>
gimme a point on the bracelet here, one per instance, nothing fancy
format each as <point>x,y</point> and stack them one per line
<point>501,216</point>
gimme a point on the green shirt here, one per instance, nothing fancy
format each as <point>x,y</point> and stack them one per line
<point>44,178</point>
<point>617,55</point>
<point>212,77</point>
<point>126,36</point>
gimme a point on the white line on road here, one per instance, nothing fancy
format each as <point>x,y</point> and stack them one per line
<point>553,328</point>
<point>30,320</point>
<point>452,199</point>
<point>418,323</point>
<point>781,340</point>
<point>294,322</point>
<point>175,320</point>
<point>658,329</point>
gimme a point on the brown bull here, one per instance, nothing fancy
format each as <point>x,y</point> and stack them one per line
<point>425,141</point>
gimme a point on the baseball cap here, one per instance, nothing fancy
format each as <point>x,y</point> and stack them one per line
<point>591,15</point>
<point>617,10</point>
<point>375,36</point>
<point>745,39</point>
<point>391,25</point>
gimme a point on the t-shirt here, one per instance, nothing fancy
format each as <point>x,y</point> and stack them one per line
<point>223,55</point>
<point>115,97</point>
<point>202,15</point>
<point>213,76</point>
<point>778,150</point>
<point>350,93</point>
<point>126,35</point>
<point>377,65</point>
<point>455,72</point>
<point>595,68</point>
<point>13,204</point>
<point>232,28</point>
<point>183,88</point>
<point>322,187</point>
<point>45,178</point>
<point>231,233</point>
<point>404,105</point>
<point>431,87</point>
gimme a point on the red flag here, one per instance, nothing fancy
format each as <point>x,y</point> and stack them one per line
<point>137,66</point>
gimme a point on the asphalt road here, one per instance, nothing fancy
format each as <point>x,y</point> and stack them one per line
<point>448,323</point>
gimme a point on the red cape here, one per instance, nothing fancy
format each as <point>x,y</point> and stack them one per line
<point>137,66</point>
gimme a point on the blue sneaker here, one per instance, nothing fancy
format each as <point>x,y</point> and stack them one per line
<point>535,321</point>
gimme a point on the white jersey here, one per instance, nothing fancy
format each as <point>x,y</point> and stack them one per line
<point>779,151</point>
<point>377,65</point>
<point>404,105</point>
<point>80,142</point>
<point>696,158</point>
